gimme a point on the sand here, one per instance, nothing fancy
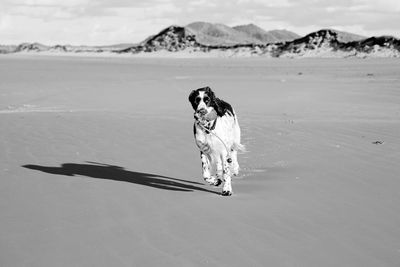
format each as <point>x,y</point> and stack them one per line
<point>99,167</point>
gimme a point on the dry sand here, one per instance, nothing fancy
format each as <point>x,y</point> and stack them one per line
<point>99,168</point>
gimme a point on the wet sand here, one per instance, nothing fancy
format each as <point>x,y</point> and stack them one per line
<point>99,167</point>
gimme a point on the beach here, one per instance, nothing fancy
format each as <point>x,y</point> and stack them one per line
<point>99,166</point>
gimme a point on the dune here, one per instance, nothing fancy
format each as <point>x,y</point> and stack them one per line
<point>202,39</point>
<point>99,167</point>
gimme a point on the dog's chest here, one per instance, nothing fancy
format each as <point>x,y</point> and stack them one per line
<point>219,139</point>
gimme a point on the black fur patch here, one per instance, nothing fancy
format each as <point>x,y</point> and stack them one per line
<point>222,107</point>
<point>192,97</point>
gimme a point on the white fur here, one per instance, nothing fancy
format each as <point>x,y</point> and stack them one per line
<point>214,153</point>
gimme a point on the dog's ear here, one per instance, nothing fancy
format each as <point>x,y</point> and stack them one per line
<point>209,92</point>
<point>221,107</point>
<point>216,104</point>
<point>192,96</point>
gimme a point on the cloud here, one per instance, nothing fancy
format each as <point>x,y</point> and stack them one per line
<point>369,17</point>
<point>107,22</point>
<point>270,3</point>
<point>83,21</point>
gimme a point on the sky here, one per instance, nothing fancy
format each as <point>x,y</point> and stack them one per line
<point>104,22</point>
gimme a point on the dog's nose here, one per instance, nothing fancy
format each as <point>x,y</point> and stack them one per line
<point>202,111</point>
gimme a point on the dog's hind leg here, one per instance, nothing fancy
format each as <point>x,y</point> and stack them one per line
<point>235,163</point>
<point>205,162</point>
<point>227,188</point>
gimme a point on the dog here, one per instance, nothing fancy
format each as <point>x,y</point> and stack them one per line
<point>217,135</point>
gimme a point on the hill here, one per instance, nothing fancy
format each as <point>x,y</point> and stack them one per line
<point>242,40</point>
<point>274,36</point>
<point>218,34</point>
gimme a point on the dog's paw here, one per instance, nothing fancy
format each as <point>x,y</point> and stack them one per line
<point>218,182</point>
<point>226,193</point>
<point>213,181</point>
<point>227,189</point>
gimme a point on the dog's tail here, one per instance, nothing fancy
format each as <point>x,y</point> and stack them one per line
<point>238,147</point>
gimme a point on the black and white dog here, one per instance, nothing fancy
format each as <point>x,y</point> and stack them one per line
<point>217,134</point>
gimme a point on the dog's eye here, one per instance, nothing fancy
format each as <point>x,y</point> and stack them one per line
<point>206,99</point>
<point>197,100</point>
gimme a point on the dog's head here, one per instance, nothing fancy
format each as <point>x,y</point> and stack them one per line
<point>202,100</point>
<point>205,102</point>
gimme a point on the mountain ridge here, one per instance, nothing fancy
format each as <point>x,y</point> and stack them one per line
<point>241,40</point>
<point>273,36</point>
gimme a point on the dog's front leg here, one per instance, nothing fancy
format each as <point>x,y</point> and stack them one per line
<point>206,166</point>
<point>219,168</point>
<point>202,145</point>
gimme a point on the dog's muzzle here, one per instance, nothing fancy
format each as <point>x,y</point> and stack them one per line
<point>202,111</point>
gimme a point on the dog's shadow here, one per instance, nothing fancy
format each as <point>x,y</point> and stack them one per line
<point>116,173</point>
